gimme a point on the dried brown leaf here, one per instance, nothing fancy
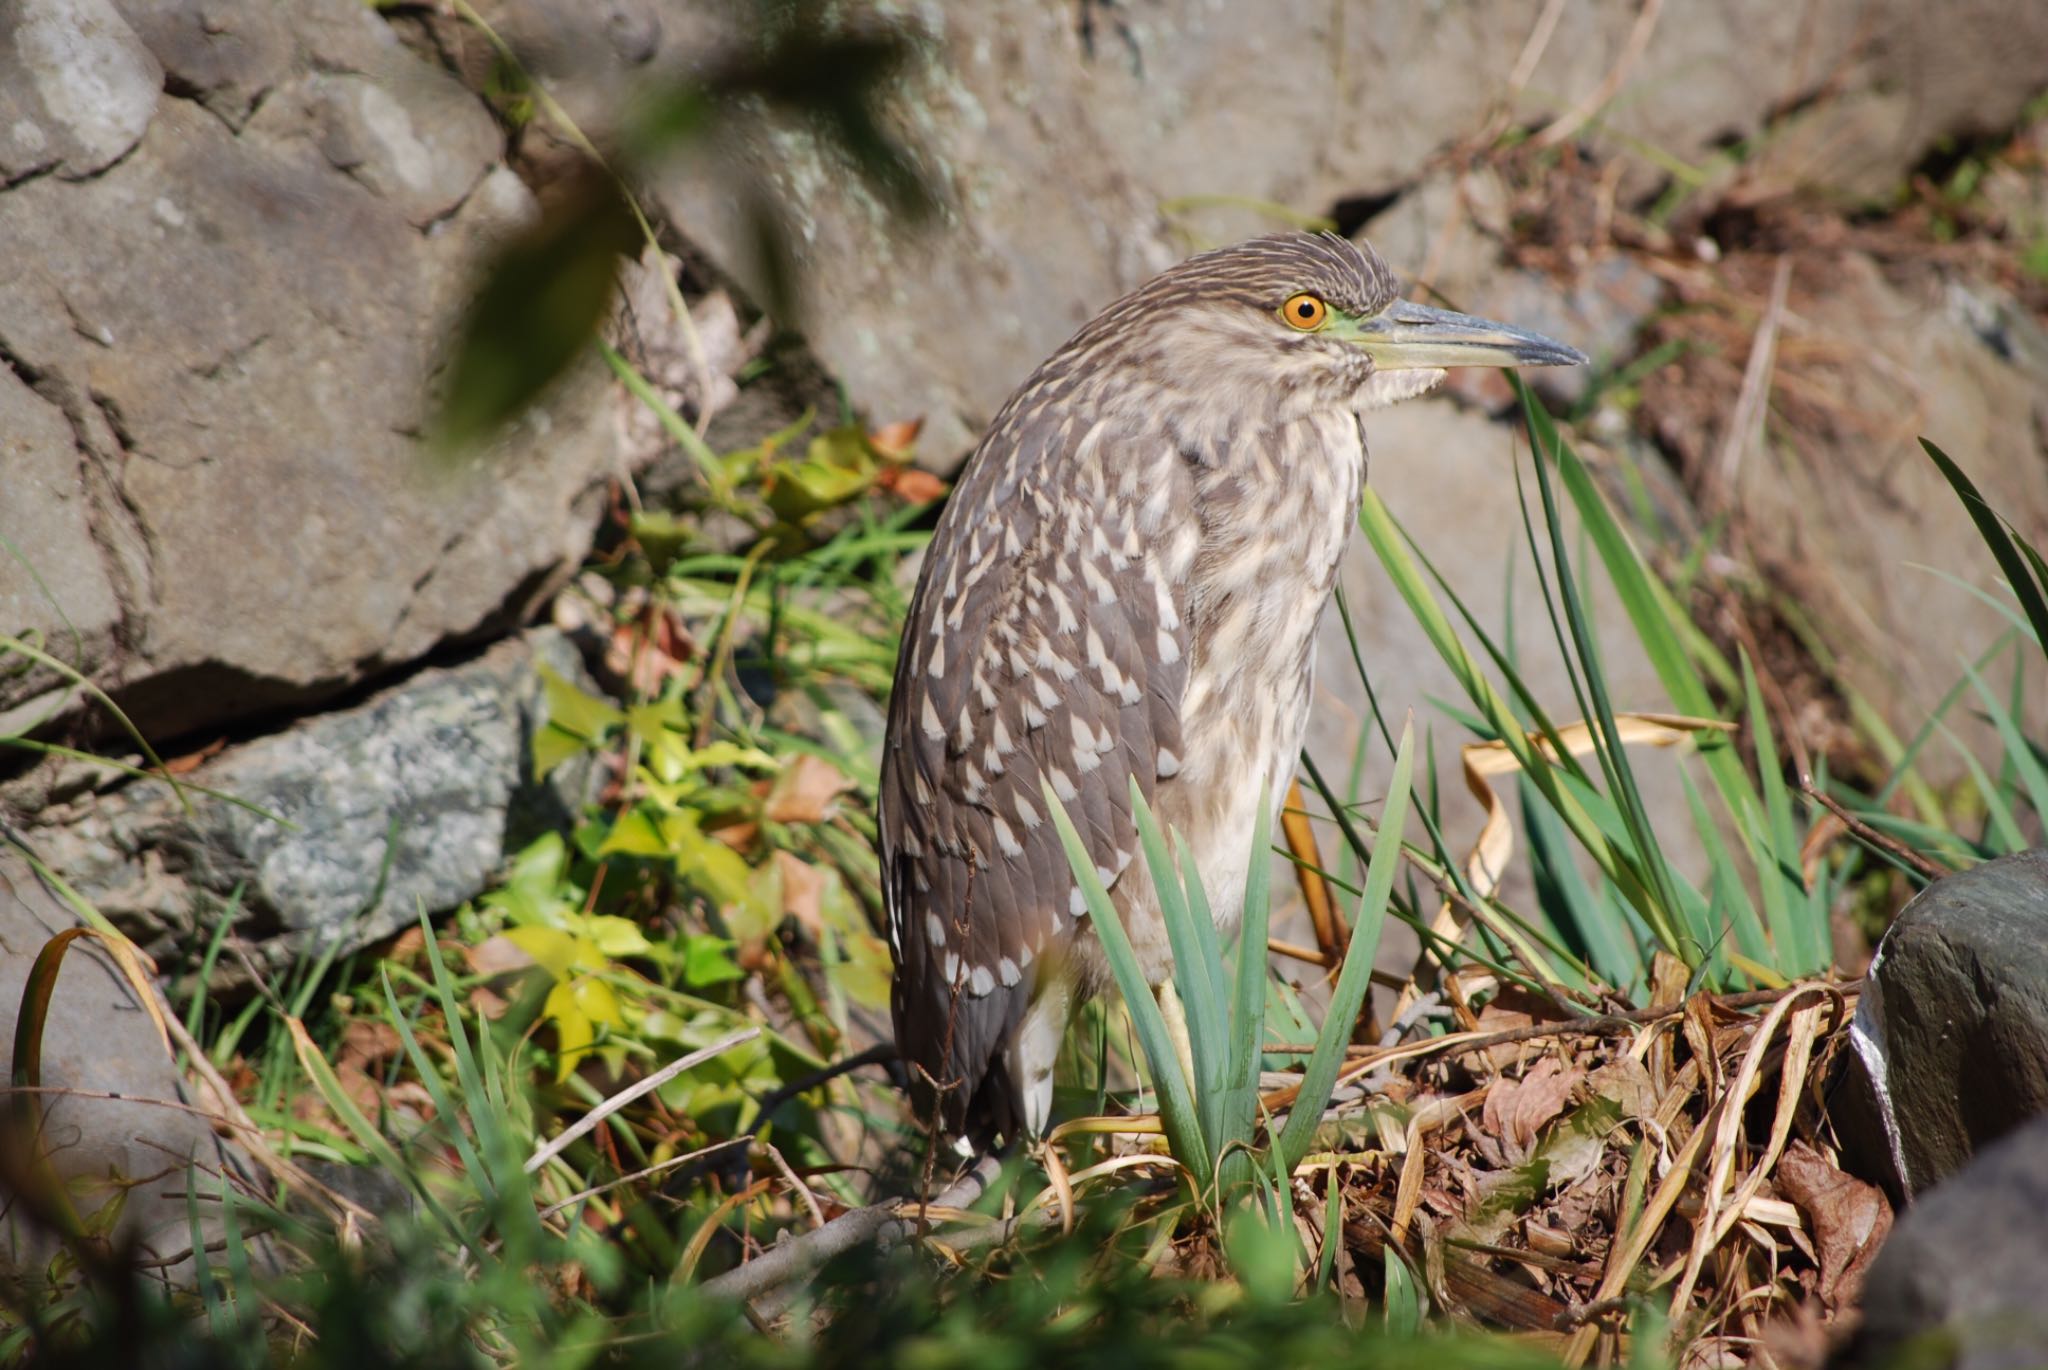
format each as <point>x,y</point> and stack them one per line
<point>1626,1081</point>
<point>366,1042</point>
<point>1516,1110</point>
<point>803,892</point>
<point>806,790</point>
<point>1849,1220</point>
<point>495,956</point>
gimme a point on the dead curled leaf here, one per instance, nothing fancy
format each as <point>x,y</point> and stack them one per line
<point>803,893</point>
<point>1516,1110</point>
<point>805,791</point>
<point>1850,1220</point>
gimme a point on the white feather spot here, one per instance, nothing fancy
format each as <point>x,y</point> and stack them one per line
<point>1094,644</point>
<point>1064,607</point>
<point>1104,592</point>
<point>1061,785</point>
<point>1048,697</point>
<point>1024,955</point>
<point>1006,838</point>
<point>1009,971</point>
<point>952,968</point>
<point>1166,764</point>
<point>1169,647</point>
<point>936,666</point>
<point>1077,902</point>
<point>929,720</point>
<point>1026,814</point>
<point>935,929</point>
<point>980,982</point>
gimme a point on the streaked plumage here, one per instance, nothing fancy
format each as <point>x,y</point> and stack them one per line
<point>1125,582</point>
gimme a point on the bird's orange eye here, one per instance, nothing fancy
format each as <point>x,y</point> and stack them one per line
<point>1305,311</point>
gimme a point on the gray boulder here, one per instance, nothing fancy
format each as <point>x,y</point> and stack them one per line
<point>238,235</point>
<point>128,1122</point>
<point>1952,1027</point>
<point>409,800</point>
<point>1959,1282</point>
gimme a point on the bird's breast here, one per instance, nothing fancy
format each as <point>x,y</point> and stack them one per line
<point>1274,527</point>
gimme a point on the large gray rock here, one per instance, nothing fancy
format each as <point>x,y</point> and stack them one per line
<point>1064,135</point>
<point>1953,1023</point>
<point>410,800</point>
<point>99,1041</point>
<point>226,300</point>
<point>1958,1284</point>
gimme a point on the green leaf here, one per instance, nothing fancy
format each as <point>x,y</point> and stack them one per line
<point>1354,981</point>
<point>1176,1105</point>
<point>575,710</point>
<point>707,961</point>
<point>1992,528</point>
<point>543,297</point>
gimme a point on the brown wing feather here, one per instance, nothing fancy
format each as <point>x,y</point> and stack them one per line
<point>1043,644</point>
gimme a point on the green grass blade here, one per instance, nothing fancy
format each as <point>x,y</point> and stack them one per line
<point>1354,981</point>
<point>1248,1000</point>
<point>1176,1106</point>
<point>2018,573</point>
<point>1192,976</point>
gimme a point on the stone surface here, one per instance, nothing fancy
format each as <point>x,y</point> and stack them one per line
<point>409,800</point>
<point>77,88</point>
<point>1845,513</point>
<point>1953,1023</point>
<point>1069,138</point>
<point>1958,1283</point>
<point>98,1039</point>
<point>216,361</point>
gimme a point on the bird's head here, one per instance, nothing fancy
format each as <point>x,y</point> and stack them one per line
<point>1284,326</point>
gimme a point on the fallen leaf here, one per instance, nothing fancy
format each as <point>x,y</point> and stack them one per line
<point>491,1006</point>
<point>1515,1110</point>
<point>805,790</point>
<point>893,441</point>
<point>192,761</point>
<point>496,956</point>
<point>910,483</point>
<point>366,1042</point>
<point>803,893</point>
<point>1849,1218</point>
<point>1627,1082</point>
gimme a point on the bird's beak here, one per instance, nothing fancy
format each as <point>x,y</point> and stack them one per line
<point>1413,337</point>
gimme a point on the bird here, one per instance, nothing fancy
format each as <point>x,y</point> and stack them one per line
<point>1124,585</point>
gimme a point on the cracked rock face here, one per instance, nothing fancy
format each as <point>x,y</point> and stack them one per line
<point>236,240</point>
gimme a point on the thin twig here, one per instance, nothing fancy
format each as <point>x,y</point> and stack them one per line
<point>1883,841</point>
<point>582,1125</point>
<point>659,1168</point>
<point>1569,123</point>
<point>802,1190</point>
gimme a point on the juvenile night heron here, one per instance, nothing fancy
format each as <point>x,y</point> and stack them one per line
<point>1126,583</point>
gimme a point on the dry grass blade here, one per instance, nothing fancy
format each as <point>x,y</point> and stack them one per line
<point>1487,863</point>
<point>1720,1212</point>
